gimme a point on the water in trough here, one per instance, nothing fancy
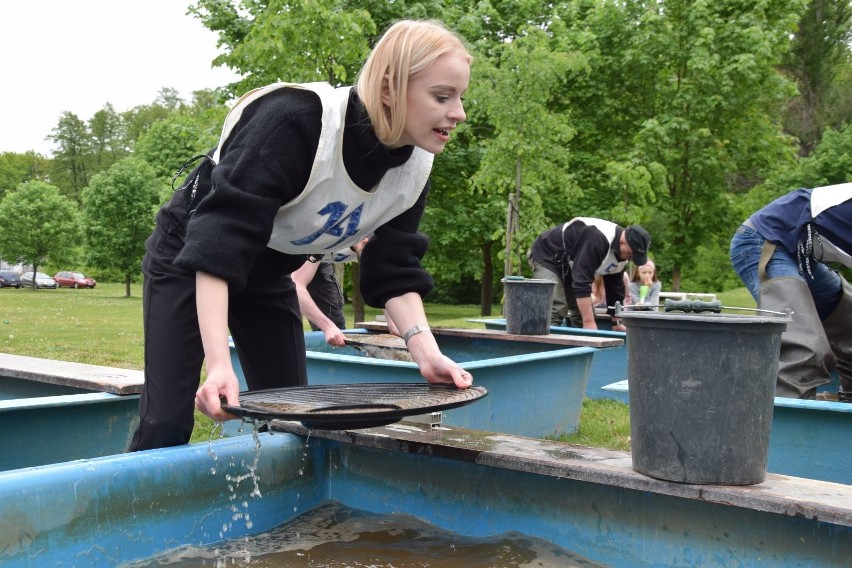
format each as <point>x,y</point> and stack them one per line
<point>335,536</point>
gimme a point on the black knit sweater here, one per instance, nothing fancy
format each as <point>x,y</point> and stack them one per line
<point>584,247</point>
<point>265,163</point>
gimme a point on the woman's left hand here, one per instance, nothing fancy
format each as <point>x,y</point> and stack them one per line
<point>437,368</point>
<point>406,313</point>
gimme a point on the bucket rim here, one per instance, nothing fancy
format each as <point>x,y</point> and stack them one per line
<point>516,280</point>
<point>703,317</point>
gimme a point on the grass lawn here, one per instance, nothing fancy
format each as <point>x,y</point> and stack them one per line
<point>101,326</point>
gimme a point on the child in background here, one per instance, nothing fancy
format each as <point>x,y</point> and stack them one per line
<point>645,286</point>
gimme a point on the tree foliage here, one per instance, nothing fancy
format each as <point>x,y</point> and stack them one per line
<point>45,224</point>
<point>173,141</point>
<point>16,169</point>
<point>118,209</point>
<point>677,114</point>
<point>525,153</point>
<point>817,54</point>
<point>73,145</point>
<point>688,89</point>
<point>314,40</point>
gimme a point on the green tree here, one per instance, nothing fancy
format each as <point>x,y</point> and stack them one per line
<point>186,132</point>
<point>525,156</point>
<point>17,168</point>
<point>818,55</point>
<point>46,224</point>
<point>608,101</point>
<point>73,147</point>
<point>208,110</point>
<point>267,42</point>
<point>830,163</point>
<point>695,93</point>
<point>118,209</point>
<point>139,119</point>
<point>169,143</point>
<point>461,226</point>
<point>108,139</point>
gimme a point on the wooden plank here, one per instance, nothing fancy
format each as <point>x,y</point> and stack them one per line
<point>550,339</point>
<point>382,346</point>
<point>810,500</point>
<point>77,375</point>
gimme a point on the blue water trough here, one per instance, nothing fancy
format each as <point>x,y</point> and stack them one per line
<point>609,363</point>
<point>55,411</point>
<point>112,510</point>
<point>535,383</point>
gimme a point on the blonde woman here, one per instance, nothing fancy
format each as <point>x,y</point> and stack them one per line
<point>301,170</point>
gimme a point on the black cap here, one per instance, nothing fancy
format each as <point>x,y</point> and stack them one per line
<point>639,241</point>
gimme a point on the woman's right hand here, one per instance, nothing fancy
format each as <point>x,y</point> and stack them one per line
<point>211,296</point>
<point>219,385</point>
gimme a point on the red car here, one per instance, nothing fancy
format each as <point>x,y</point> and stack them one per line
<point>74,280</point>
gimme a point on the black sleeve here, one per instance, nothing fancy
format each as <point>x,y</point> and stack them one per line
<point>391,262</point>
<point>264,163</point>
<point>614,286</point>
<point>589,251</point>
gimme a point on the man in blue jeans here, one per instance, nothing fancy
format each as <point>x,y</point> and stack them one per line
<point>780,254</point>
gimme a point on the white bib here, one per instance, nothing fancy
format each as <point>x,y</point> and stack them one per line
<point>610,264</point>
<point>823,198</point>
<point>332,213</point>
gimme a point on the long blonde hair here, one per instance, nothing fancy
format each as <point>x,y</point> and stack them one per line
<point>407,48</point>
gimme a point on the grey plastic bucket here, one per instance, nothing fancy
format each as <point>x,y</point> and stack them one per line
<point>701,391</point>
<point>526,305</point>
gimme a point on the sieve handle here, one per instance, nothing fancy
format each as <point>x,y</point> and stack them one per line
<point>693,306</point>
<point>696,306</point>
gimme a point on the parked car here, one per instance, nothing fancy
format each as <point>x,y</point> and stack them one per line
<point>73,280</point>
<point>42,280</point>
<point>9,279</point>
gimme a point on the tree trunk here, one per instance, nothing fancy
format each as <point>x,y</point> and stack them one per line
<point>357,298</point>
<point>487,288</point>
<point>676,278</point>
<point>127,285</point>
<point>512,220</point>
<point>507,262</point>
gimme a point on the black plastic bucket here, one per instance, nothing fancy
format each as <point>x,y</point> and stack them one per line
<point>701,391</point>
<point>526,305</point>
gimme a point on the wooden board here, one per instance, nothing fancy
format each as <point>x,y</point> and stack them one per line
<point>551,339</point>
<point>79,375</point>
<point>380,346</point>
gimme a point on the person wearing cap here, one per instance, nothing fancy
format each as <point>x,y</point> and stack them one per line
<point>781,253</point>
<point>574,253</point>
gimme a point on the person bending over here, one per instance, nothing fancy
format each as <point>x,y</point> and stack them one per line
<point>299,170</point>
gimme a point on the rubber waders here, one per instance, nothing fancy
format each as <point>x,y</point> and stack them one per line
<point>806,355</point>
<point>838,329</point>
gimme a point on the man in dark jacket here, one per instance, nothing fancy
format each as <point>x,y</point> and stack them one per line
<point>574,253</point>
<point>781,253</point>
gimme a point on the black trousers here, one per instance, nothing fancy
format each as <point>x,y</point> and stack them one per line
<point>264,321</point>
<point>326,294</point>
